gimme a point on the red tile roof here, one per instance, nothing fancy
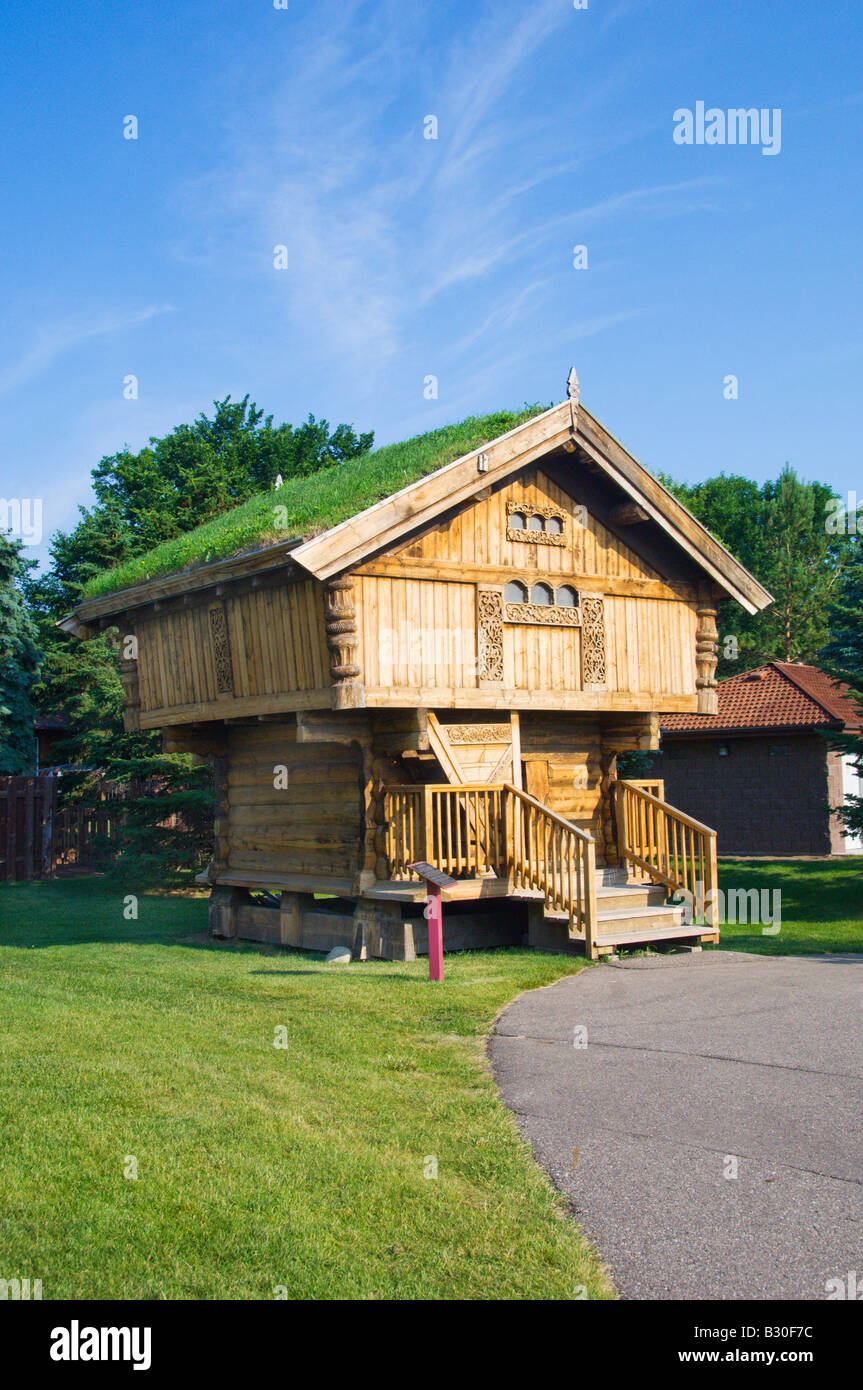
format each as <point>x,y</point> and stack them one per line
<point>780,695</point>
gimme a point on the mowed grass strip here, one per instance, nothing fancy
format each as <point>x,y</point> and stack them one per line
<point>259,1167</point>
<point>821,905</point>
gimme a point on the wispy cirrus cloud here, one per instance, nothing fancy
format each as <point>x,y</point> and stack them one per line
<point>54,340</point>
<point>389,233</point>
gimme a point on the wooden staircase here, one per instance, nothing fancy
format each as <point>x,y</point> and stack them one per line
<point>485,833</point>
<point>629,912</point>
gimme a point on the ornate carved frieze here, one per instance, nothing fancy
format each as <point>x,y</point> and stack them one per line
<point>341,626</point>
<point>478,733</point>
<point>544,537</point>
<point>490,634</point>
<point>543,614</point>
<point>220,644</point>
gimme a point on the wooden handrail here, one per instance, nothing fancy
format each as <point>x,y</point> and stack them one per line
<point>480,827</point>
<point>550,854</point>
<point>546,811</point>
<point>667,846</point>
<point>678,814</point>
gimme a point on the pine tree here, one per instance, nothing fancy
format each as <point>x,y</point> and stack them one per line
<point>19,664</point>
<point>779,533</point>
<point>843,658</point>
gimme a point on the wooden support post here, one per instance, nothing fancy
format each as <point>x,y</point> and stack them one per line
<point>706,658</point>
<point>129,675</point>
<point>341,629</point>
<point>711,885</point>
<point>290,919</point>
<point>428,825</point>
<point>222,913</point>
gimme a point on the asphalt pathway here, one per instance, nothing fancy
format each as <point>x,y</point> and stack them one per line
<point>693,1062</point>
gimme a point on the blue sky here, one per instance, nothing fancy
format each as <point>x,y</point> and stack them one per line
<point>410,257</point>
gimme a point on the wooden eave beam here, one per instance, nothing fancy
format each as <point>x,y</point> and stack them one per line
<point>166,586</point>
<point>670,514</point>
<point>421,502</point>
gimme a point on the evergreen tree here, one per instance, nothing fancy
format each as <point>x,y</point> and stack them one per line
<point>843,658</point>
<point>779,533</point>
<point>19,664</point>
<point>174,484</point>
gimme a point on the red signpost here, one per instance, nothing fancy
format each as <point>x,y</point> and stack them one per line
<point>435,882</point>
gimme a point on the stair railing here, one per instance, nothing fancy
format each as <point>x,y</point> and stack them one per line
<point>667,846</point>
<point>476,829</point>
<point>549,854</point>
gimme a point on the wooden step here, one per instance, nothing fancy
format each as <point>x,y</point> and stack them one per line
<point>639,919</point>
<point>607,940</point>
<point>626,897</point>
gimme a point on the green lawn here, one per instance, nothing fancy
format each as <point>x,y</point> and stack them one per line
<point>258,1167</point>
<point>821,905</point>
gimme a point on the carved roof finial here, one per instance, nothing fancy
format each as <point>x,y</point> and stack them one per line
<point>572,387</point>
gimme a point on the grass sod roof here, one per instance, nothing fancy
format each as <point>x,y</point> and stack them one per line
<point>311,504</point>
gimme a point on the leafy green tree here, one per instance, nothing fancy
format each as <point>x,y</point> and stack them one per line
<point>843,658</point>
<point>19,664</point>
<point>778,532</point>
<point>203,469</point>
<point>174,484</point>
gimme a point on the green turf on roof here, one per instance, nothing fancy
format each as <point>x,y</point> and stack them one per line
<point>306,506</point>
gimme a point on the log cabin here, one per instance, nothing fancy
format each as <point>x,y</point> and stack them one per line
<point>447,675</point>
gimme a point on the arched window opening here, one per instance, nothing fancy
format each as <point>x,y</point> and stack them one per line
<point>566,597</point>
<point>541,593</point>
<point>515,592</point>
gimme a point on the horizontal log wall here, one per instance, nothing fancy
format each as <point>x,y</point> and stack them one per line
<point>562,761</point>
<point>311,826</point>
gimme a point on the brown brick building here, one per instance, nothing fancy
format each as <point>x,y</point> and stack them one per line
<point>759,770</point>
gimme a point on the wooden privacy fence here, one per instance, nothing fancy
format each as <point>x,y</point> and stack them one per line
<point>39,833</point>
<point>478,829</point>
<point>27,812</point>
<point>667,846</point>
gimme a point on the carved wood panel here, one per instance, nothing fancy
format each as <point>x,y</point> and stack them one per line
<point>490,635</point>
<point>593,664</point>
<point>543,614</point>
<point>220,644</point>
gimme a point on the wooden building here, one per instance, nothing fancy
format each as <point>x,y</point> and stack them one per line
<point>448,676</point>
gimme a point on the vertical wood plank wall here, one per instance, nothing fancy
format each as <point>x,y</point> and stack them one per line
<point>477,536</point>
<point>277,639</point>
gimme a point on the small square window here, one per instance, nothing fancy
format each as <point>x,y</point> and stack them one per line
<point>778,750</point>
<point>723,750</point>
